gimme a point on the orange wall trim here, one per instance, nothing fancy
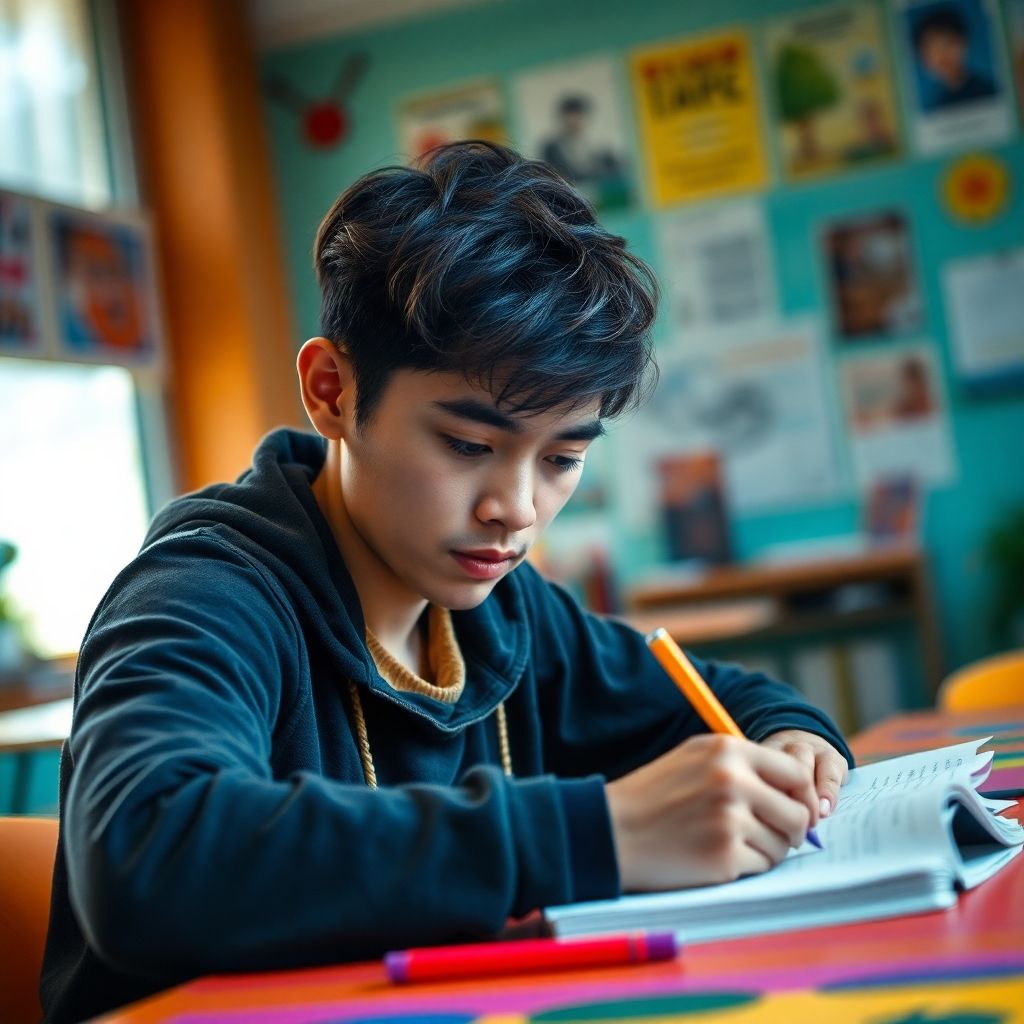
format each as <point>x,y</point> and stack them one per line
<point>206,178</point>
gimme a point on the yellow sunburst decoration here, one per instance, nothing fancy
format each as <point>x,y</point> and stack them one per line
<point>976,187</point>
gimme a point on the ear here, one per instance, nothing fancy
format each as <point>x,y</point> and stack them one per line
<point>328,387</point>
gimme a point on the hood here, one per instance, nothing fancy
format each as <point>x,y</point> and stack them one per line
<point>271,515</point>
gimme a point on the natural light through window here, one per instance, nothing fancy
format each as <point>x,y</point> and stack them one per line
<point>71,456</point>
<point>50,115</point>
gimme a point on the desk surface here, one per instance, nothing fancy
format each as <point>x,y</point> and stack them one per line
<point>967,961</point>
<point>42,727</point>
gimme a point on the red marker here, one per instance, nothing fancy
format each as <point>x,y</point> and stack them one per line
<point>486,959</point>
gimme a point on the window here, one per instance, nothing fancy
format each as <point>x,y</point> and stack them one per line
<point>51,122</point>
<point>73,497</point>
<point>83,448</point>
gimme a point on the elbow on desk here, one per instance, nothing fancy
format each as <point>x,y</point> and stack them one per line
<point>148,932</point>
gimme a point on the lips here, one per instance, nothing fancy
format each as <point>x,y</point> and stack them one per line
<point>489,555</point>
<point>485,563</point>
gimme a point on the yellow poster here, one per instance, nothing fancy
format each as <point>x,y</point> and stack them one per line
<point>698,109</point>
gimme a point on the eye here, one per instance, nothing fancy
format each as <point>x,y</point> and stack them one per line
<point>469,449</point>
<point>565,463</point>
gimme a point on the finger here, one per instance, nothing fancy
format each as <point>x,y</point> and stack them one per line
<point>789,774</point>
<point>766,843</point>
<point>829,774</point>
<point>805,754</point>
<point>787,817</point>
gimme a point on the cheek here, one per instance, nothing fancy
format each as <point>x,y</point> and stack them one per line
<point>552,498</point>
<point>390,484</point>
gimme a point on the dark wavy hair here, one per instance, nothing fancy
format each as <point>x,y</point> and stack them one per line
<point>480,261</point>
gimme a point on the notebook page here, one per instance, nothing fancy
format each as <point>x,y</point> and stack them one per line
<point>900,776</point>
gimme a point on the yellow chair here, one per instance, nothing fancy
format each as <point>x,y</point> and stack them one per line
<point>994,682</point>
<point>27,850</point>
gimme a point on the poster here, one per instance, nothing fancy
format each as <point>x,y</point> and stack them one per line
<point>985,310</point>
<point>757,399</point>
<point>474,110</point>
<point>570,116</point>
<point>896,416</point>
<point>716,266</point>
<point>872,282</point>
<point>956,79</point>
<point>699,115</point>
<point>103,287</point>
<point>20,327</point>
<point>831,90</point>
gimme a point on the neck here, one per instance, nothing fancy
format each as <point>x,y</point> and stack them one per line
<point>390,609</point>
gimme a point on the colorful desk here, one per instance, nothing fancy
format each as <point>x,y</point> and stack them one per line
<point>918,730</point>
<point>961,966</point>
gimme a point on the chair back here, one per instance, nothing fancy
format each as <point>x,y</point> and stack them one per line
<point>27,850</point>
<point>994,682</point>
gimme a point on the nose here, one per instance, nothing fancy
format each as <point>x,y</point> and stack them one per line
<point>508,499</point>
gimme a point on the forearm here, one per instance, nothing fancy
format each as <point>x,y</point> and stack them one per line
<point>225,872</point>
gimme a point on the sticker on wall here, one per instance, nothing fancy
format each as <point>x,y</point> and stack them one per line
<point>716,266</point>
<point>21,329</point>
<point>475,110</point>
<point>975,188</point>
<point>831,90</point>
<point>956,77</point>
<point>985,307</point>
<point>871,279</point>
<point>896,416</point>
<point>325,122</point>
<point>103,287</point>
<point>570,116</point>
<point>698,109</point>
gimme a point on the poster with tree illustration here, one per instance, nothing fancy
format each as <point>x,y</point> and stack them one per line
<point>830,84</point>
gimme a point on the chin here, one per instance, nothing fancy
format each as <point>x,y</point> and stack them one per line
<point>461,598</point>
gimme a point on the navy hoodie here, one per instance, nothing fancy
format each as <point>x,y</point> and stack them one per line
<point>214,814</point>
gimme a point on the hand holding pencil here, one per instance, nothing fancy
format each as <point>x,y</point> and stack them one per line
<point>712,809</point>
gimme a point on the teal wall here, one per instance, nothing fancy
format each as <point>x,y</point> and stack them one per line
<point>504,37</point>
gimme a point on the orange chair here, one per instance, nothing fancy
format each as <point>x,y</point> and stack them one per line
<point>994,682</point>
<point>27,849</point>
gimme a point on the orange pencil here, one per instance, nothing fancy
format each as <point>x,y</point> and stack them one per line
<point>681,671</point>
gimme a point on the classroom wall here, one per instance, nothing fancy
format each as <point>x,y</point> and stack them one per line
<point>502,38</point>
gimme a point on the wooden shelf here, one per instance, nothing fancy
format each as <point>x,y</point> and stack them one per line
<point>873,589</point>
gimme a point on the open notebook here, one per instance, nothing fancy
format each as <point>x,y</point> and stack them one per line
<point>906,834</point>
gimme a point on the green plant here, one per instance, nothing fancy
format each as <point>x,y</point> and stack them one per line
<point>1004,551</point>
<point>7,554</point>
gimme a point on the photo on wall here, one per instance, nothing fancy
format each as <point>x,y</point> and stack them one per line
<point>831,90</point>
<point>872,280</point>
<point>21,331</point>
<point>956,79</point>
<point>896,416</point>
<point>474,110</point>
<point>570,115</point>
<point>104,293</point>
<point>694,509</point>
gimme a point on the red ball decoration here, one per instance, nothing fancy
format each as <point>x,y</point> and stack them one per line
<point>324,124</point>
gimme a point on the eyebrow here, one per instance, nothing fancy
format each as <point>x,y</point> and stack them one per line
<point>481,412</point>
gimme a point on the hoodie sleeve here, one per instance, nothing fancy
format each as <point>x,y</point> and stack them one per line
<point>609,707</point>
<point>186,855</point>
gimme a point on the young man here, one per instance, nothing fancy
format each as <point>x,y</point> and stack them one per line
<point>329,710</point>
